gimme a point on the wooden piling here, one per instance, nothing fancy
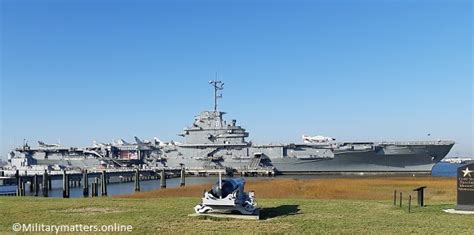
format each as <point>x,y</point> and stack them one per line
<point>22,188</point>
<point>68,189</point>
<point>18,186</point>
<point>50,183</point>
<point>85,184</point>
<point>45,183</point>
<point>137,180</point>
<point>401,199</point>
<point>36,184</point>
<point>95,187</point>
<point>409,203</point>
<point>30,180</point>
<point>65,184</point>
<point>104,183</point>
<point>183,177</point>
<point>395,197</point>
<point>163,179</point>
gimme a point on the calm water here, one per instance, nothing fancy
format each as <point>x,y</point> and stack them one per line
<point>445,169</point>
<point>441,169</point>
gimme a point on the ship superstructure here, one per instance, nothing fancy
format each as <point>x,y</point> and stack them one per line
<point>212,142</point>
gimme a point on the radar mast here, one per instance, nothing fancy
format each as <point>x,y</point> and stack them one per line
<point>218,86</point>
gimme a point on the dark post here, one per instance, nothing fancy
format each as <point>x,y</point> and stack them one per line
<point>183,177</point>
<point>163,179</point>
<point>50,183</point>
<point>85,184</point>
<point>36,184</point>
<point>17,176</point>
<point>22,188</point>
<point>104,183</point>
<point>409,203</point>
<point>68,189</point>
<point>137,180</point>
<point>395,197</point>
<point>18,186</point>
<point>65,184</point>
<point>45,183</point>
<point>93,189</point>
<point>2,173</point>
<point>420,196</point>
<point>401,199</point>
<point>30,179</point>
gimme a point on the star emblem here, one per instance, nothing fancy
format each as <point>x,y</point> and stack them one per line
<point>467,172</point>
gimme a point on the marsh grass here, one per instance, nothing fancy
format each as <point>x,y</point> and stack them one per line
<point>365,188</point>
<point>341,206</point>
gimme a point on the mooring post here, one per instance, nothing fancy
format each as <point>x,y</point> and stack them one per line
<point>22,188</point>
<point>50,183</point>
<point>36,184</point>
<point>163,178</point>
<point>45,183</point>
<point>68,189</point>
<point>409,203</point>
<point>18,186</point>
<point>65,184</point>
<point>104,183</point>
<point>93,189</point>
<point>137,180</point>
<point>395,197</point>
<point>85,184</point>
<point>183,177</point>
<point>30,180</point>
<point>401,199</point>
<point>17,175</point>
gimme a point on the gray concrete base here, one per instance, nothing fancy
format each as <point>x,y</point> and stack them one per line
<point>461,212</point>
<point>229,216</point>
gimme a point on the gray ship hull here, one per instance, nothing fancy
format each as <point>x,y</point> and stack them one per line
<point>211,142</point>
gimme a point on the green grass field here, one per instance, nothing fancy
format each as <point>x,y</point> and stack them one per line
<point>169,215</point>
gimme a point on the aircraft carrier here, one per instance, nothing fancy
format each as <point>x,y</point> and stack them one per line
<point>213,143</point>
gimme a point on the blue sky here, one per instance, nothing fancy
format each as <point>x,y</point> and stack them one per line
<point>78,71</point>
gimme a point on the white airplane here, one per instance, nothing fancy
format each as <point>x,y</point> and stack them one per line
<point>120,142</point>
<point>42,144</point>
<point>317,139</point>
<point>98,145</point>
<point>141,142</point>
<point>164,144</point>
